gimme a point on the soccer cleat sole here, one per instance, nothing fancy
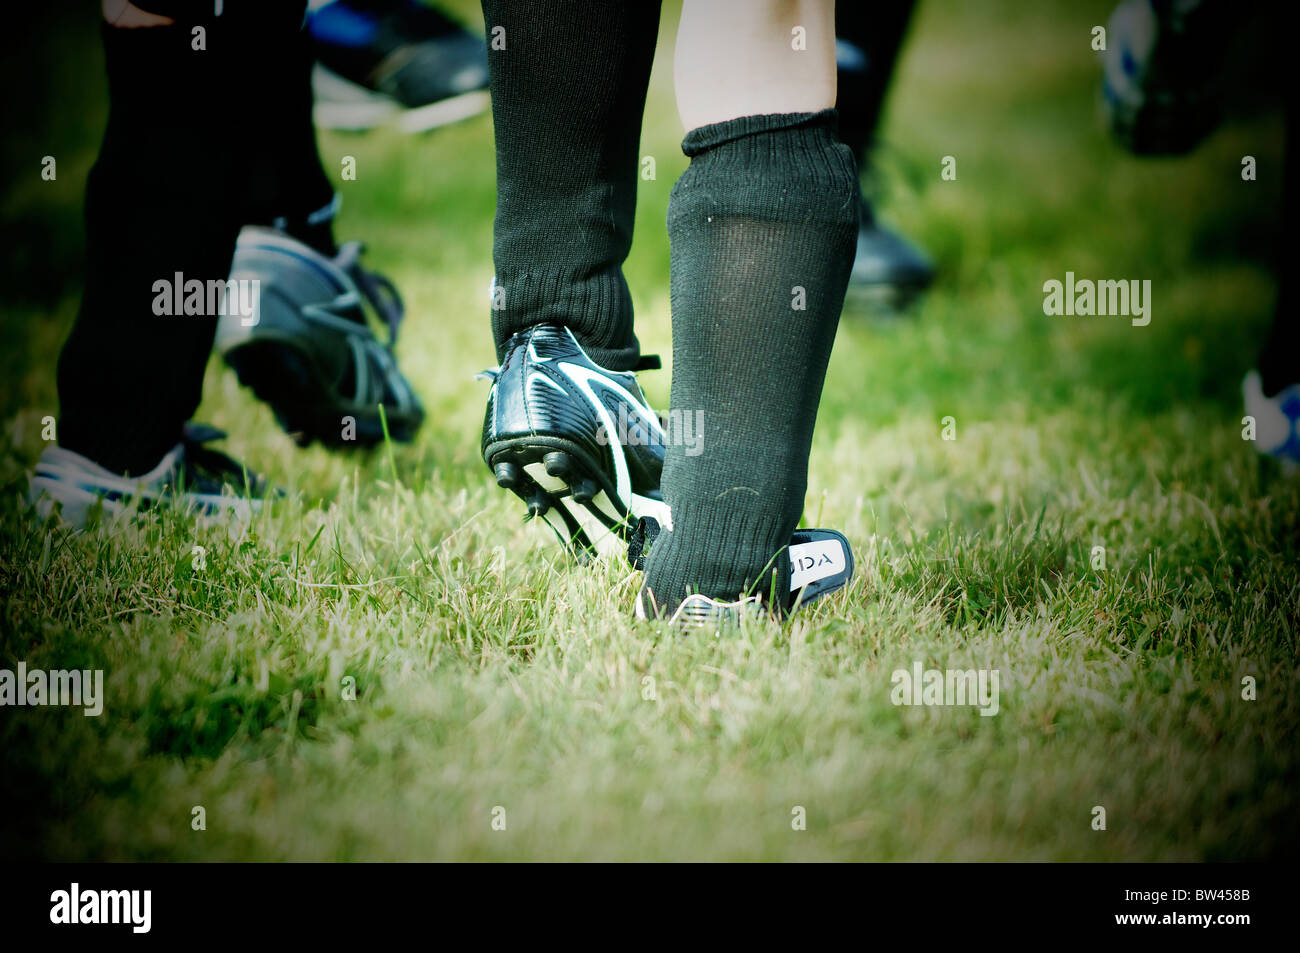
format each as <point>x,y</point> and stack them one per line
<point>554,475</point>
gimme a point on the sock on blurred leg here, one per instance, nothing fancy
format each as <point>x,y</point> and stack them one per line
<point>869,37</point>
<point>1279,359</point>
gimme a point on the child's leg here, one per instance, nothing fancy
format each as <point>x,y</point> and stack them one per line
<point>739,58</point>
<point>762,226</point>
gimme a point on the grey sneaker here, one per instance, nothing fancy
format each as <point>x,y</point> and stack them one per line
<point>308,350</point>
<point>189,475</point>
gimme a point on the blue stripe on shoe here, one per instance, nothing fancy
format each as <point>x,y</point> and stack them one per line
<point>339,25</point>
<point>314,264</point>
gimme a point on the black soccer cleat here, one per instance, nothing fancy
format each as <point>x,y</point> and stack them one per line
<point>820,561</point>
<point>1161,72</point>
<point>889,271</point>
<point>573,439</point>
<point>395,61</point>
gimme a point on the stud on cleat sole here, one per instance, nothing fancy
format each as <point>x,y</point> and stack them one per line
<point>584,490</point>
<point>507,475</point>
<point>559,480</point>
<point>558,464</point>
<point>538,504</point>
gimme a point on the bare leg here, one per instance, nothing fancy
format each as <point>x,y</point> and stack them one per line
<point>753,57</point>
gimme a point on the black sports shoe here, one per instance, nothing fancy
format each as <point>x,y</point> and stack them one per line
<point>889,272</point>
<point>394,60</point>
<point>189,475</point>
<point>820,562</point>
<point>1162,67</point>
<point>308,350</point>
<point>568,436</point>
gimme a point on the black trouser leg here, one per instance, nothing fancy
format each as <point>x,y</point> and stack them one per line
<point>196,146</point>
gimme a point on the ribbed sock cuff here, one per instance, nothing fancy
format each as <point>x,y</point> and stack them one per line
<point>597,308</point>
<point>770,167</point>
<point>754,142</point>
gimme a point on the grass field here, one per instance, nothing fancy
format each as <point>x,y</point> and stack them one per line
<point>493,672</point>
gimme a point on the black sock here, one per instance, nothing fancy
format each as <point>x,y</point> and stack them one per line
<point>762,225</point>
<point>567,96</point>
